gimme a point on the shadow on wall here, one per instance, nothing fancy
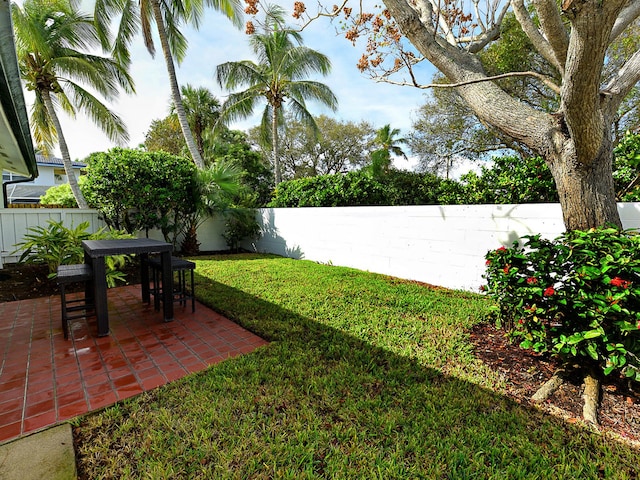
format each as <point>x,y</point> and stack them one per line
<point>273,241</point>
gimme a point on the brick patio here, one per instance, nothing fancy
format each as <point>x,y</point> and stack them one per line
<point>45,379</point>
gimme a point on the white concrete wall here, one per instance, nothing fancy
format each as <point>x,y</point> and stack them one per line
<point>209,235</point>
<point>441,245</point>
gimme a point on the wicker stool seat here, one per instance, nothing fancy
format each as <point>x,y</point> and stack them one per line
<point>180,292</point>
<point>68,274</point>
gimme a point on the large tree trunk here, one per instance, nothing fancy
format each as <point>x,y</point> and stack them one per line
<point>175,89</point>
<point>64,150</point>
<point>587,193</point>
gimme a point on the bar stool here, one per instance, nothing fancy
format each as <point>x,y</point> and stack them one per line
<point>66,275</point>
<point>180,292</point>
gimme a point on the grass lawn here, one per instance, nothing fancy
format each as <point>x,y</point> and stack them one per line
<point>366,376</point>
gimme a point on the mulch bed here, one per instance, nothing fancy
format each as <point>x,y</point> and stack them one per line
<point>525,371</point>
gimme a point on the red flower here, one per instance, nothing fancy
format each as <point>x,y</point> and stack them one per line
<point>483,288</point>
<point>501,249</point>
<point>487,263</point>
<point>521,321</point>
<point>532,280</point>
<point>619,282</point>
<point>506,269</point>
<point>549,291</point>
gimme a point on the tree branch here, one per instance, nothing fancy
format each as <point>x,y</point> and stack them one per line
<point>553,28</point>
<point>532,32</point>
<point>543,78</point>
<point>623,82</point>
<point>626,17</point>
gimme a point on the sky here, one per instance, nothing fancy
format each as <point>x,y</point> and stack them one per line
<point>216,42</point>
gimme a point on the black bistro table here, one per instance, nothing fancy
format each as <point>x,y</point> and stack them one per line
<point>96,250</point>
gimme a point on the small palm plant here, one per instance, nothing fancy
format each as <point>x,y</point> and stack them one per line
<point>59,245</point>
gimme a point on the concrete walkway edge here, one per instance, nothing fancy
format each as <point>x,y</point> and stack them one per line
<point>47,454</point>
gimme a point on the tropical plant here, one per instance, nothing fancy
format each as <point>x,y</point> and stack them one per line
<point>57,245</point>
<point>575,297</point>
<point>240,224</point>
<point>168,17</point>
<point>279,77</point>
<point>386,139</point>
<point>256,176</point>
<point>216,186</point>
<point>52,39</point>
<point>202,109</point>
<point>59,195</point>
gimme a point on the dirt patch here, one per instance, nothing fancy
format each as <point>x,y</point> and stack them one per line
<point>23,281</point>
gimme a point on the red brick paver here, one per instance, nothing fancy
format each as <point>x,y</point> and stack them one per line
<point>45,379</point>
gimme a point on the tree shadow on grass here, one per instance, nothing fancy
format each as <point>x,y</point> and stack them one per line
<point>320,403</point>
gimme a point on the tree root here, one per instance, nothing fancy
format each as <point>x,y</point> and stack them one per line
<point>591,398</point>
<point>591,395</point>
<point>550,386</point>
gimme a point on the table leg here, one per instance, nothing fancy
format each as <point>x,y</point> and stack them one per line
<point>144,277</point>
<point>167,286</point>
<point>100,296</point>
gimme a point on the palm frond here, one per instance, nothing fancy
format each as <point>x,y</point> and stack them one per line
<point>44,132</point>
<point>105,75</point>
<point>231,75</point>
<point>105,119</point>
<point>240,105</point>
<point>309,90</point>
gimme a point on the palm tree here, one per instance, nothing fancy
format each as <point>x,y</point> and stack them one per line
<point>50,38</point>
<point>389,144</point>
<point>168,15</point>
<point>217,184</point>
<point>278,77</point>
<point>202,109</point>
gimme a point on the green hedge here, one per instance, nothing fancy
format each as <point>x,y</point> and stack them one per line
<point>359,189</point>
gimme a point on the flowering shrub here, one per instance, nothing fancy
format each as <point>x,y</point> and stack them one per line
<point>577,297</point>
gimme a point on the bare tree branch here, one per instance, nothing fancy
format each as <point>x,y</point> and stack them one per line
<point>626,17</point>
<point>553,28</point>
<point>532,32</point>
<point>622,82</point>
<point>543,78</point>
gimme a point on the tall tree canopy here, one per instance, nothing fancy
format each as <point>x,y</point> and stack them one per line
<point>280,78</point>
<point>52,40</point>
<point>168,16</point>
<point>340,146</point>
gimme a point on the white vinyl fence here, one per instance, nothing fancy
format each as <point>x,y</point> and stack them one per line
<point>15,223</point>
<point>441,245</point>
